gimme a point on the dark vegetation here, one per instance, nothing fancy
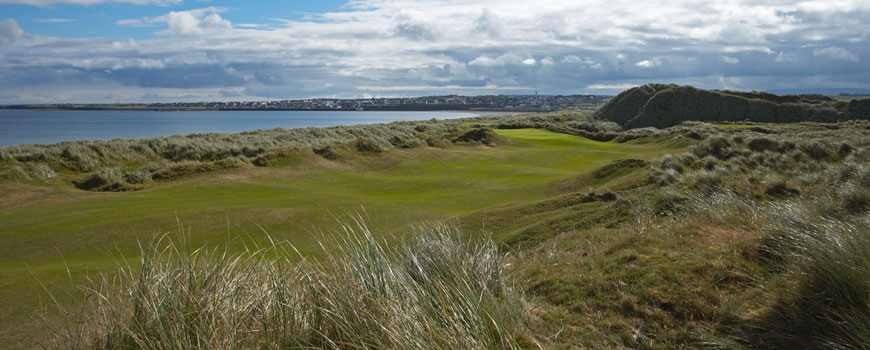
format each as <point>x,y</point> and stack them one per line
<point>661,106</point>
<point>756,237</point>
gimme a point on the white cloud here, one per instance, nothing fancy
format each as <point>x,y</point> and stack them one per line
<point>503,60</point>
<point>150,21</point>
<point>838,53</point>
<point>187,23</point>
<point>10,32</point>
<point>730,60</point>
<point>437,87</point>
<point>571,59</point>
<point>182,23</point>
<point>730,83</point>
<point>410,25</point>
<point>575,59</point>
<point>489,24</point>
<point>553,45</point>
<point>52,20</point>
<point>646,64</point>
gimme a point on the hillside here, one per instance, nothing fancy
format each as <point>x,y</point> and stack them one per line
<point>661,106</point>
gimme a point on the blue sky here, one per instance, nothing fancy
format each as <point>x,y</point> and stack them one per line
<point>70,20</point>
<point>65,51</point>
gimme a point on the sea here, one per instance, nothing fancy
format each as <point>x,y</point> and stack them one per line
<point>25,126</point>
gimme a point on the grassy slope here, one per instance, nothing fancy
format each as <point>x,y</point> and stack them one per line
<point>41,223</point>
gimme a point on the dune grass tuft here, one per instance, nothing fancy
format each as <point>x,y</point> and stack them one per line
<point>437,291</point>
<point>827,263</point>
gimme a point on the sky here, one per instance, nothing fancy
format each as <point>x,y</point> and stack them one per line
<point>108,51</point>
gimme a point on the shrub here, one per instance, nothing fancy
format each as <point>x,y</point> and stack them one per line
<point>596,125</point>
<point>844,150</point>
<point>101,179</point>
<point>716,146</point>
<point>437,143</point>
<point>439,291</point>
<point>706,181</point>
<point>780,189</point>
<point>668,203</point>
<point>78,158</point>
<point>854,199</point>
<point>669,161</point>
<point>788,146</point>
<point>709,163</point>
<point>327,152</point>
<point>482,136</point>
<point>18,173</point>
<point>405,142</point>
<point>816,150</point>
<point>852,171</point>
<point>140,176</point>
<point>43,172</point>
<point>763,144</point>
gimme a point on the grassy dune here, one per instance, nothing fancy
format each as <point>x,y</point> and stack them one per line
<point>739,235</point>
<point>48,227</point>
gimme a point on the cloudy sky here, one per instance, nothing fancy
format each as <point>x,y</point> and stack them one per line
<point>58,51</point>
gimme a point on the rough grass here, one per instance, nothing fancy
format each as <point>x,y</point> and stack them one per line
<point>300,192</point>
<point>689,263</point>
<point>826,263</point>
<point>74,158</point>
<point>753,238</point>
<point>438,291</point>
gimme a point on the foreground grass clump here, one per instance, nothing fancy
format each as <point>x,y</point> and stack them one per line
<point>804,196</point>
<point>825,300</point>
<point>438,291</point>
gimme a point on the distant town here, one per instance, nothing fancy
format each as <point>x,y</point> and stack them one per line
<point>452,102</point>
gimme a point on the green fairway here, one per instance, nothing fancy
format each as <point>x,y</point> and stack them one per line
<point>46,228</point>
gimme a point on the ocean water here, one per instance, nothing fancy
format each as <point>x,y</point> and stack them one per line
<point>19,127</point>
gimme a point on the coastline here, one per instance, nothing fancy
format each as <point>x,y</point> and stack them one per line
<point>103,125</point>
<point>202,109</point>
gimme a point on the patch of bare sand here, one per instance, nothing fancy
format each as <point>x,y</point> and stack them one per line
<point>18,194</point>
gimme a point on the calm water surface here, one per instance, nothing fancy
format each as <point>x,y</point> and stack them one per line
<point>19,127</point>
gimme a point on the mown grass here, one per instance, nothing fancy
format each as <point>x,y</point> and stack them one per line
<point>306,191</point>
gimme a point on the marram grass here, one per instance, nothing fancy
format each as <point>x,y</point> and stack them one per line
<point>438,291</point>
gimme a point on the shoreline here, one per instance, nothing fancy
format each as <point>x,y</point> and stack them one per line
<point>196,109</point>
<point>454,115</point>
